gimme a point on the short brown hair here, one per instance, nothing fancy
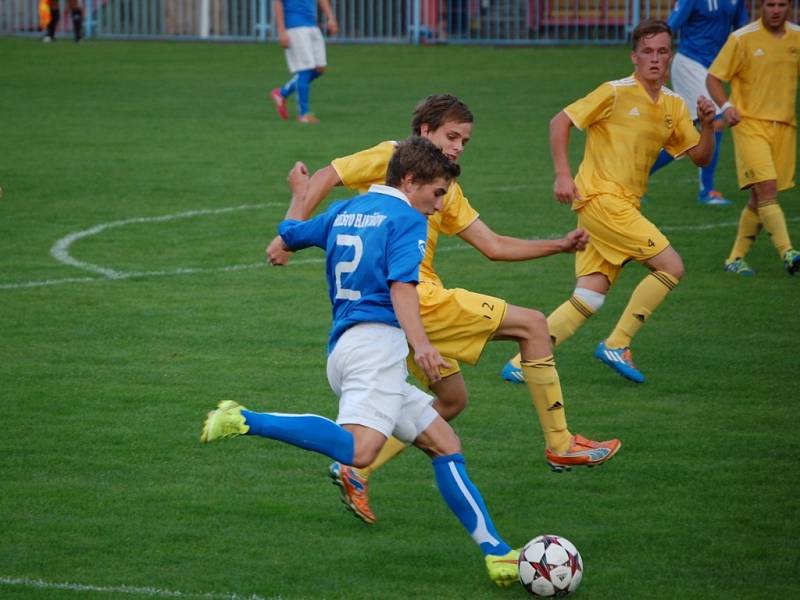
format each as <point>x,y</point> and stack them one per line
<point>419,157</point>
<point>436,110</point>
<point>647,28</point>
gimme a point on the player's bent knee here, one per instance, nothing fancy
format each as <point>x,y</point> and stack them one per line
<point>676,268</point>
<point>536,324</point>
<point>363,457</point>
<point>450,407</point>
<point>447,444</point>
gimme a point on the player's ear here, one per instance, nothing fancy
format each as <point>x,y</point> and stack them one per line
<point>406,183</point>
<point>424,130</point>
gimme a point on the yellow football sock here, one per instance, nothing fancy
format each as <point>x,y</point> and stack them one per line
<point>542,380</point>
<point>567,319</point>
<point>749,226</point>
<point>771,216</point>
<point>390,449</point>
<point>563,322</point>
<point>644,300</point>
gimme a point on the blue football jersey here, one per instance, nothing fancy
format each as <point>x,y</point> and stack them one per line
<point>704,26</point>
<point>299,13</point>
<point>369,241</point>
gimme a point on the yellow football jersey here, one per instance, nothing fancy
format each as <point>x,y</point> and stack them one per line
<point>360,170</point>
<point>762,70</point>
<point>625,131</point>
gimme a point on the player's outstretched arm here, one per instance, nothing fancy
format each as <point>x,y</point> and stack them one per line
<point>506,248</point>
<point>277,254</point>
<point>319,186</point>
<point>307,194</point>
<point>406,306</point>
<point>701,153</point>
<point>564,188</point>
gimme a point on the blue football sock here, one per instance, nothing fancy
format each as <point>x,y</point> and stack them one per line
<point>289,87</point>
<point>707,172</point>
<point>466,502</point>
<point>662,160</point>
<point>304,79</point>
<point>310,432</point>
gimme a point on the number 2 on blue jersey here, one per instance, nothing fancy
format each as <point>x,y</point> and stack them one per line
<point>348,266</point>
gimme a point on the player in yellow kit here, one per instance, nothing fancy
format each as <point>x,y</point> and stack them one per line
<point>761,62</point>
<point>459,322</point>
<point>627,122</point>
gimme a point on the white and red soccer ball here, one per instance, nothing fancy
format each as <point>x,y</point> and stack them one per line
<point>550,565</point>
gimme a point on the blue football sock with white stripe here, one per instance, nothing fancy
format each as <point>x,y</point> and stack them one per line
<point>707,172</point>
<point>662,160</point>
<point>466,502</point>
<point>289,87</point>
<point>310,432</point>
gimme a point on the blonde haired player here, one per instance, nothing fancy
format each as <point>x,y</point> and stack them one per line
<point>761,61</point>
<point>627,122</point>
<point>459,322</point>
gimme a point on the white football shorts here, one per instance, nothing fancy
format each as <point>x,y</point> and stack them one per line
<point>306,49</point>
<point>367,370</point>
<point>689,82</point>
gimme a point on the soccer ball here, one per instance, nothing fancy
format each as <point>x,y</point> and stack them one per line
<point>550,565</point>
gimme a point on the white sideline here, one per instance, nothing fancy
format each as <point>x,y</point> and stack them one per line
<point>60,249</point>
<point>27,582</point>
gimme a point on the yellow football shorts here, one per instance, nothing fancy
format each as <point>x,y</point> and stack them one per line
<point>764,150</point>
<point>618,233</point>
<point>458,322</point>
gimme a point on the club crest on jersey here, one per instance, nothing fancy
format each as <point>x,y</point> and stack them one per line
<point>668,121</point>
<point>421,246</point>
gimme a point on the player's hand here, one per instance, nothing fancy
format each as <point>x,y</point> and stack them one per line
<point>575,240</point>
<point>283,39</point>
<point>277,254</point>
<point>298,179</point>
<point>564,189</point>
<point>731,116</point>
<point>333,27</point>
<point>429,360</point>
<point>706,111</point>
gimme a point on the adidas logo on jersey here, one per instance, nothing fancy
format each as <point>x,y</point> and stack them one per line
<point>758,52</point>
<point>634,112</point>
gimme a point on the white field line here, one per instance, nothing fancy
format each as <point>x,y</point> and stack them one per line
<point>27,582</point>
<point>60,250</point>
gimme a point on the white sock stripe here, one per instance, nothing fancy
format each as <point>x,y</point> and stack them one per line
<point>481,533</point>
<point>296,415</point>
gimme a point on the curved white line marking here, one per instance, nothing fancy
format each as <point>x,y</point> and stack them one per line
<point>60,250</point>
<point>26,582</point>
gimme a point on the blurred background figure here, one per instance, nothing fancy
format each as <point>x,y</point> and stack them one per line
<point>50,13</point>
<point>304,46</point>
<point>702,28</point>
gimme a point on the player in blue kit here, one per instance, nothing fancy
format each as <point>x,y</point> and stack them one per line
<point>299,35</point>
<point>704,26</point>
<point>374,245</point>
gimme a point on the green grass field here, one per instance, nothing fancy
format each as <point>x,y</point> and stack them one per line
<point>158,170</point>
